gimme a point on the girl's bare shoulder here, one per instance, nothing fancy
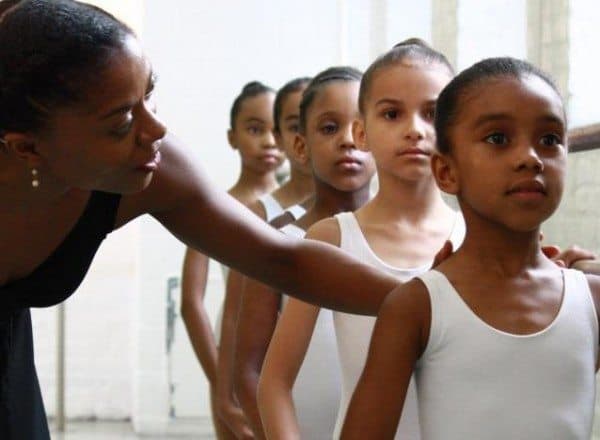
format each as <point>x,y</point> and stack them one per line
<point>326,230</point>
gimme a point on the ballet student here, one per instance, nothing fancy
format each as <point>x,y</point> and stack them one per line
<point>270,205</point>
<point>503,342</point>
<point>251,135</point>
<point>398,232</point>
<point>342,176</point>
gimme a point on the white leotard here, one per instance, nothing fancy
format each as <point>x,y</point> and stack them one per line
<point>271,206</point>
<point>477,382</point>
<point>272,209</point>
<point>353,332</point>
<point>316,391</point>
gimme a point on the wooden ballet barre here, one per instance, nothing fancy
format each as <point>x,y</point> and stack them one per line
<point>588,266</point>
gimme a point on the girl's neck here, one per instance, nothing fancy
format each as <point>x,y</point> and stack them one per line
<point>399,200</point>
<point>496,249</point>
<point>297,189</point>
<point>330,201</point>
<point>253,184</point>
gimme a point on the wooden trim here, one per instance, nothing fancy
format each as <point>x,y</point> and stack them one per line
<point>584,138</point>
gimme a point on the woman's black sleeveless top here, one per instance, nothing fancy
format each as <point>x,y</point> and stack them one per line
<point>22,415</point>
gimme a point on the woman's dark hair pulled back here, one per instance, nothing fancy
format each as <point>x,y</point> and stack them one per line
<point>50,53</point>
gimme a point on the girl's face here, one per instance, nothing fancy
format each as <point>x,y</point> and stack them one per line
<point>509,149</point>
<point>253,136</point>
<point>111,141</point>
<point>397,125</point>
<point>288,129</point>
<point>334,157</point>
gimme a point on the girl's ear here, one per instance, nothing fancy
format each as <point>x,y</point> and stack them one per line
<point>301,153</point>
<point>22,146</point>
<point>359,134</point>
<point>445,173</point>
<point>231,138</point>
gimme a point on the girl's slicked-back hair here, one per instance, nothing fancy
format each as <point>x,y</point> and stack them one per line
<point>449,102</point>
<point>290,87</point>
<point>251,89</point>
<point>50,51</point>
<point>413,49</point>
<point>324,78</point>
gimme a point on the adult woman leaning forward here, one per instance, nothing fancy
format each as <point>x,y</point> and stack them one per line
<point>82,153</point>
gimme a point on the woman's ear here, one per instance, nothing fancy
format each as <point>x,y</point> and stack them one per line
<point>301,152</point>
<point>22,146</point>
<point>359,134</point>
<point>445,173</point>
<point>231,138</point>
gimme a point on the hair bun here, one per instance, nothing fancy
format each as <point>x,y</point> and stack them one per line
<point>253,86</point>
<point>413,42</point>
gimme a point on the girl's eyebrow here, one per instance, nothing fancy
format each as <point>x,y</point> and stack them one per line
<point>252,119</point>
<point>494,117</point>
<point>491,117</point>
<point>387,101</point>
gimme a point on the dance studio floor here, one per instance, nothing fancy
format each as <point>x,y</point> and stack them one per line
<point>182,429</point>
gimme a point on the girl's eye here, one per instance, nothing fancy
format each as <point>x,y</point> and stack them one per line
<point>497,139</point>
<point>550,140</point>
<point>328,128</point>
<point>390,115</point>
<point>430,114</point>
<point>254,130</point>
<point>293,128</point>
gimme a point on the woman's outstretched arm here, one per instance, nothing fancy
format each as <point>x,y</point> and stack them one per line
<point>185,202</point>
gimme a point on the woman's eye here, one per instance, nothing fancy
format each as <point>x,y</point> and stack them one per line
<point>497,139</point>
<point>122,131</point>
<point>294,128</point>
<point>550,140</point>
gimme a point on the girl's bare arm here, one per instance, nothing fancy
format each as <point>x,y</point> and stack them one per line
<point>193,287</point>
<point>280,369</point>
<point>397,342</point>
<point>256,323</point>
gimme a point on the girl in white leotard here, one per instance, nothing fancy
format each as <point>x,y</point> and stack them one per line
<point>268,207</point>
<point>502,342</point>
<point>251,135</point>
<point>401,229</point>
<point>342,175</point>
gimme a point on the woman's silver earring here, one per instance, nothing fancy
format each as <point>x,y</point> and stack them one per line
<point>35,181</point>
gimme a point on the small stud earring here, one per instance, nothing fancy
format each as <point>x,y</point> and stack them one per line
<point>35,181</point>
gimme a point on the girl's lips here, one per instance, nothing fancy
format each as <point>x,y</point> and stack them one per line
<point>413,152</point>
<point>349,164</point>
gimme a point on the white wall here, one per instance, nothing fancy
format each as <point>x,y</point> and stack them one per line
<point>490,28</point>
